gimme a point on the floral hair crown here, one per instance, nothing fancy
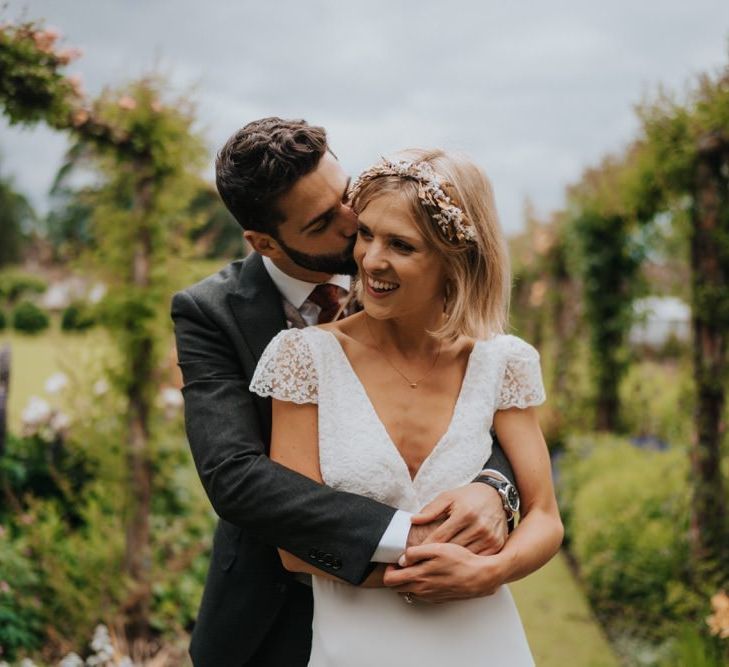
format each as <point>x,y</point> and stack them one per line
<point>442,209</point>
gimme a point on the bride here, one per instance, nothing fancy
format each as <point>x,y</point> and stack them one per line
<point>416,380</point>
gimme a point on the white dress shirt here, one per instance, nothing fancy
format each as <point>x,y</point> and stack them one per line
<point>296,292</point>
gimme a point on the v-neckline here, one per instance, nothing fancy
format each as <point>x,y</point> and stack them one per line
<point>378,419</point>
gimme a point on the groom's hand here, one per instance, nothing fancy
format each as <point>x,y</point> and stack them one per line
<point>471,516</point>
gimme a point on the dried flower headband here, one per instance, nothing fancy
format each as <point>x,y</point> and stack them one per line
<point>443,211</point>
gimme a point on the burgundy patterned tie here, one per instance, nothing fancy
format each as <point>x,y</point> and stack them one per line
<point>329,298</point>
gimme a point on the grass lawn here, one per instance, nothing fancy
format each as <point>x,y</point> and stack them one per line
<point>35,358</point>
<point>559,625</point>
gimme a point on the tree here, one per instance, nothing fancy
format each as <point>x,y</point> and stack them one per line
<point>685,172</point>
<point>607,254</point>
<point>139,219</point>
<point>16,214</point>
<point>148,160</point>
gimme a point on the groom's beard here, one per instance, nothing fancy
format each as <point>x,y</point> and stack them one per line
<point>334,263</point>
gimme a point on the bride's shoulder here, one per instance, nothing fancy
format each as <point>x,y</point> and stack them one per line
<point>348,331</point>
<point>510,346</point>
<point>294,342</point>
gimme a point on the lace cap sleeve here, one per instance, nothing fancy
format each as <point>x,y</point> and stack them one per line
<point>522,384</point>
<point>286,370</point>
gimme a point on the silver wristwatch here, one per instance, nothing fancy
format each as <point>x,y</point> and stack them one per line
<point>507,491</point>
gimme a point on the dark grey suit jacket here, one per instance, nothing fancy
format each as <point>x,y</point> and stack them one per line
<point>222,326</point>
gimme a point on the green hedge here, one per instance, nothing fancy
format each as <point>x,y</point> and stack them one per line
<point>77,317</point>
<point>15,285</point>
<point>29,318</point>
<point>626,513</point>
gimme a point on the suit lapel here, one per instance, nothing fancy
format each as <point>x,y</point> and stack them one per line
<point>256,307</point>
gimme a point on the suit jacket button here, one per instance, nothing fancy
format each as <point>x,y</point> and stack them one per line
<point>313,554</point>
<point>328,560</point>
<point>320,556</point>
<point>337,564</point>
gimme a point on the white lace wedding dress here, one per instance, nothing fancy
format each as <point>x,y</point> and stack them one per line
<point>353,626</point>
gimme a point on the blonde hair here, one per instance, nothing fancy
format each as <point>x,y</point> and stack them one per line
<point>479,276</point>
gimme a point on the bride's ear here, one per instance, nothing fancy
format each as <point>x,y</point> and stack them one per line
<point>447,294</point>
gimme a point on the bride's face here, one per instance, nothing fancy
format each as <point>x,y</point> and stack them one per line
<point>401,274</point>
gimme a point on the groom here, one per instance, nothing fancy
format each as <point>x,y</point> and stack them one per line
<point>289,194</point>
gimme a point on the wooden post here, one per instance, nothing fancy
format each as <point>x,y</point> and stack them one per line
<point>4,391</point>
<point>710,340</point>
<point>138,556</point>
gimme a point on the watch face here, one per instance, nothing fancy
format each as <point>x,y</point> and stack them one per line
<point>513,498</point>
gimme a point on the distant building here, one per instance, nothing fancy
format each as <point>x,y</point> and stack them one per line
<point>660,319</point>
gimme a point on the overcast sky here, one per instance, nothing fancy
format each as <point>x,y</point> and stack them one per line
<point>533,91</point>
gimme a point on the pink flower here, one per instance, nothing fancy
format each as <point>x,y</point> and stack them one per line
<point>4,586</point>
<point>27,519</point>
<point>77,84</point>
<point>67,55</point>
<point>79,117</point>
<point>718,622</point>
<point>156,106</point>
<point>127,103</point>
<point>45,39</point>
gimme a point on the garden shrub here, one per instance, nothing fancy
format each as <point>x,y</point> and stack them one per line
<point>649,396</point>
<point>15,285</point>
<point>626,512</point>
<point>68,559</point>
<point>20,617</point>
<point>77,316</point>
<point>29,318</point>
<point>34,467</point>
<point>3,321</point>
<point>694,648</point>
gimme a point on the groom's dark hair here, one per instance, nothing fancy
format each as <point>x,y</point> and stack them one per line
<point>261,162</point>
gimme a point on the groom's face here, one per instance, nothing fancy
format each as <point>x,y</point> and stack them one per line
<point>317,235</point>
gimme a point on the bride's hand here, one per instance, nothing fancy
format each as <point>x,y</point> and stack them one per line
<point>474,518</point>
<point>445,572</point>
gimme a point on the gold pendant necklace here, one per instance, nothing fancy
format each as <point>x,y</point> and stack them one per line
<point>413,383</point>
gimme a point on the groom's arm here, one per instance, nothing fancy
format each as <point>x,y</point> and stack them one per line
<point>335,531</point>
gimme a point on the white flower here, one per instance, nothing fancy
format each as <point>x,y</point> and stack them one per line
<point>37,411</point>
<point>56,383</point>
<point>60,421</point>
<point>27,662</point>
<point>101,643</point>
<point>71,660</point>
<point>100,387</point>
<point>171,397</point>
<point>97,293</point>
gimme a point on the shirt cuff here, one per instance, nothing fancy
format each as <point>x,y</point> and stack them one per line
<point>394,539</point>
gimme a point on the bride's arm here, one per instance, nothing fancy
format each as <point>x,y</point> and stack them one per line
<point>295,444</point>
<point>539,534</point>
